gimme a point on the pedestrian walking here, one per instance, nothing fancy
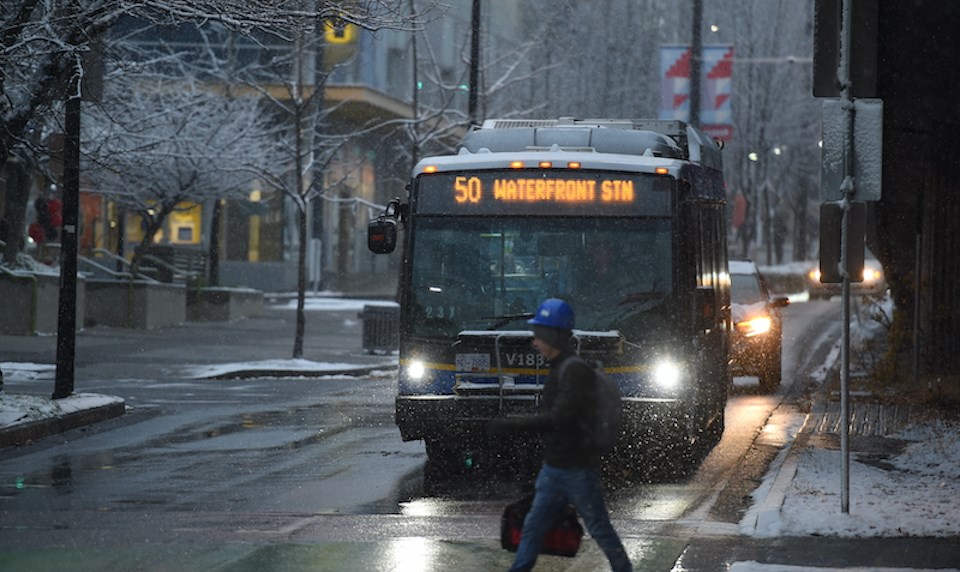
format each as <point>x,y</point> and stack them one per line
<point>570,473</point>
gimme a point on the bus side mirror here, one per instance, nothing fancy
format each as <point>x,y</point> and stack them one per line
<point>382,231</point>
<point>382,235</point>
<point>705,300</point>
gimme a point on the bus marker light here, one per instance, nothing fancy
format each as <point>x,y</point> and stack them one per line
<point>545,164</point>
<point>662,171</point>
<point>573,165</point>
<point>516,164</point>
<point>430,169</point>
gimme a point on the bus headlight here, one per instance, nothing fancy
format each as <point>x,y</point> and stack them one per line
<point>666,374</point>
<point>416,370</point>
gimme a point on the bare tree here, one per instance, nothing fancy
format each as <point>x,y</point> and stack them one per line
<point>601,59</point>
<point>43,44</point>
<point>440,118</point>
<point>306,147</point>
<point>609,67</point>
<point>161,138</point>
<point>773,158</point>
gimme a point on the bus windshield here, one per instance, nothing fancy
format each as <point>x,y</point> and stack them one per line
<point>492,273</point>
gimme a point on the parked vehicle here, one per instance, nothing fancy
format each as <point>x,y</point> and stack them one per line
<point>872,282</point>
<point>756,342</point>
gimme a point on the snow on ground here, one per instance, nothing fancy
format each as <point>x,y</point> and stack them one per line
<point>756,567</point>
<point>285,365</point>
<point>911,494</point>
<point>17,409</point>
<point>26,371</point>
<point>332,304</point>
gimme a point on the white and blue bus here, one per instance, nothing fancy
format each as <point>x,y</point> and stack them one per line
<point>623,219</point>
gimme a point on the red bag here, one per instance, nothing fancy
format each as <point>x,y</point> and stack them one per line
<point>563,538</point>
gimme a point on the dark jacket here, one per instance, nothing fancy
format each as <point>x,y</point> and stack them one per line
<point>568,407</point>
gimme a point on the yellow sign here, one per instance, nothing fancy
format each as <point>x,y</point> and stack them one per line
<point>339,31</point>
<point>471,190</point>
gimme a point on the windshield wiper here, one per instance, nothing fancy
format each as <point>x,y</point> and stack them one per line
<point>506,319</point>
<point>640,297</point>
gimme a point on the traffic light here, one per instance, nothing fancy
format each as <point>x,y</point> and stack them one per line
<point>339,31</point>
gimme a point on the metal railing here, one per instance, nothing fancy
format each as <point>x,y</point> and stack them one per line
<point>93,269</point>
<point>146,273</point>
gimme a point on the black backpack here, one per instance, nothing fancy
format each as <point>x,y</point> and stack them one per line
<point>608,415</point>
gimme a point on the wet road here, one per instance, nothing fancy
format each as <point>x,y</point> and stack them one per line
<point>311,474</point>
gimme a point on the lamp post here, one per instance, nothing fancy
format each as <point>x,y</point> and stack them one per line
<point>764,195</point>
<point>696,62</point>
<point>474,62</point>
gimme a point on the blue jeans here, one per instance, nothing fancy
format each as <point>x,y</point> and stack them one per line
<point>555,488</point>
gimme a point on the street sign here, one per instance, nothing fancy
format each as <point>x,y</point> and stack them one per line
<point>863,48</point>
<point>867,150</point>
<point>831,229</point>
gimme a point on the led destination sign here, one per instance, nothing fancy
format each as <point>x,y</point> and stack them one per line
<point>544,192</point>
<point>470,190</point>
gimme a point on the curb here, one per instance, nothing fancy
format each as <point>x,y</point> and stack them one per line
<point>254,373</point>
<point>21,434</point>
<point>768,511</point>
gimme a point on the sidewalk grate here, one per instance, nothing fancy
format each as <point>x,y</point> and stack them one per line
<point>866,419</point>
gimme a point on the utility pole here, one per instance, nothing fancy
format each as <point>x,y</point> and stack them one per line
<point>846,97</point>
<point>67,309</point>
<point>845,65</point>
<point>474,63</point>
<point>696,62</point>
<point>415,124</point>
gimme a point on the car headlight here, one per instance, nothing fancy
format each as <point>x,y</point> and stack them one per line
<point>870,274</point>
<point>666,374</point>
<point>814,275</point>
<point>755,326</point>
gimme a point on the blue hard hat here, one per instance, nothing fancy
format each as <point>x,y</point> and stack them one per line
<point>553,313</point>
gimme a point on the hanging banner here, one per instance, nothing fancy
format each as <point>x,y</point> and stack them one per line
<point>716,114</point>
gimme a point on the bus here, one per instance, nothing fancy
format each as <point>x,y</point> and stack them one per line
<point>623,219</point>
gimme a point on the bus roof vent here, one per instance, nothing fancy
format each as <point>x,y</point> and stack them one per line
<point>516,123</point>
<point>660,138</point>
<point>635,143</point>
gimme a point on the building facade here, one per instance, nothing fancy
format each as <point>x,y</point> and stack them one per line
<point>372,90</point>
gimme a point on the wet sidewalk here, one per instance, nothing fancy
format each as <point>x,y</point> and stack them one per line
<point>335,337</point>
<point>257,346</point>
<point>874,438</point>
<point>813,553</point>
